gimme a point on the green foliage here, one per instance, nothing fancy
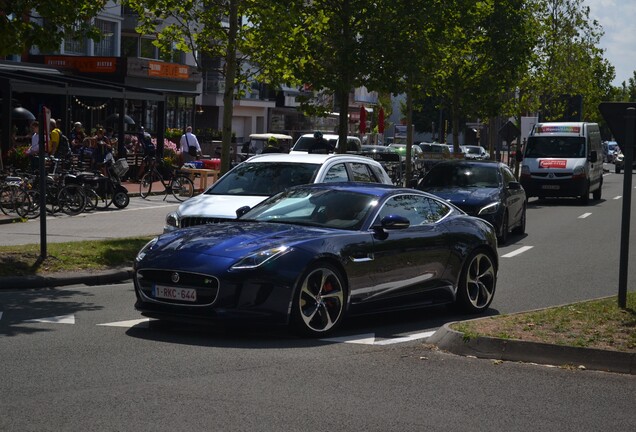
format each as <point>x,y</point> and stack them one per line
<point>565,61</point>
<point>28,23</point>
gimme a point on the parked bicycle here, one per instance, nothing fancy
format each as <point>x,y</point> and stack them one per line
<point>176,182</point>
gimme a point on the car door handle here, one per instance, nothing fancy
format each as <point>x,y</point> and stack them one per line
<point>362,258</point>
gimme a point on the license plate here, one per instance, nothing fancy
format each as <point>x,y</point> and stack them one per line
<point>174,293</point>
<point>550,187</point>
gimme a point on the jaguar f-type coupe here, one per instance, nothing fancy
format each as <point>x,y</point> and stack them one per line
<point>311,255</point>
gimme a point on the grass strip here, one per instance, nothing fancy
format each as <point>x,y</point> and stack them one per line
<point>25,260</point>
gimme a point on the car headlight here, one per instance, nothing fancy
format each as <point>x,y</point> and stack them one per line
<point>172,219</point>
<point>578,171</point>
<point>259,258</point>
<point>144,250</point>
<point>489,209</point>
<point>619,157</point>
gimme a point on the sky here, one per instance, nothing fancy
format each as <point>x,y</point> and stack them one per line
<point>618,18</point>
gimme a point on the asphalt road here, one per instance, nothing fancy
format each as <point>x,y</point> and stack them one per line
<point>89,362</point>
<point>91,371</point>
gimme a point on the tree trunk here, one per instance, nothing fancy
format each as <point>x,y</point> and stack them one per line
<point>409,137</point>
<point>343,120</point>
<point>230,77</point>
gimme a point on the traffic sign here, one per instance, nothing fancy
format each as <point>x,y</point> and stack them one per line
<point>615,114</point>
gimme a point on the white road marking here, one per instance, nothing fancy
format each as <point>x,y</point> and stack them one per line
<point>369,339</point>
<point>62,319</point>
<point>584,215</point>
<point>618,197</point>
<point>143,323</point>
<point>517,252</point>
<point>364,339</point>
<point>408,338</point>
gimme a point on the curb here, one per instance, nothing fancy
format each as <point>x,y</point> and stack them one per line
<point>93,278</point>
<point>516,350</point>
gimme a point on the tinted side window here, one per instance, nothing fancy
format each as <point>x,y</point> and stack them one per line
<point>361,173</point>
<point>417,209</point>
<point>508,176</point>
<point>336,173</point>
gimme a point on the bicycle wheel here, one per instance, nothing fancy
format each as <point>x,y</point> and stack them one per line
<point>22,202</point>
<point>105,192</point>
<point>34,210</point>
<point>7,194</point>
<point>145,185</point>
<point>182,187</point>
<point>92,199</point>
<point>72,199</point>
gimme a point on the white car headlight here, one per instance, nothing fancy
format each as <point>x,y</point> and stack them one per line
<point>172,219</point>
<point>144,250</point>
<point>259,258</point>
<point>489,209</point>
<point>578,171</point>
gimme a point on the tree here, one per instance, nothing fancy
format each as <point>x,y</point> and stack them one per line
<point>399,42</point>
<point>45,24</point>
<point>566,62</point>
<point>485,48</point>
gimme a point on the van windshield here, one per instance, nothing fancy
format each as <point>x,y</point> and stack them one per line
<point>555,146</point>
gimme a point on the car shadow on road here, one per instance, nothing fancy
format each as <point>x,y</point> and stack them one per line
<point>24,307</point>
<point>382,326</point>
<point>539,203</point>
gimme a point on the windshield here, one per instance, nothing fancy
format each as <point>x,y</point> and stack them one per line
<point>462,176</point>
<point>316,207</point>
<point>264,178</point>
<point>555,147</point>
<point>314,145</point>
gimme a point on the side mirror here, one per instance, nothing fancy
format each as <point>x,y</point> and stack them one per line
<point>393,222</point>
<point>593,156</point>
<point>513,185</point>
<point>242,210</point>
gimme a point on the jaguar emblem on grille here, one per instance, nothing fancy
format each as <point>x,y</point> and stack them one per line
<point>174,277</point>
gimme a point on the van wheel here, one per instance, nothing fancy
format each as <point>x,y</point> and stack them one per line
<point>598,192</point>
<point>585,197</point>
<point>617,169</point>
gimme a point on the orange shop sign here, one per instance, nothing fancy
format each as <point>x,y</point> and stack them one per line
<point>168,70</point>
<point>84,64</point>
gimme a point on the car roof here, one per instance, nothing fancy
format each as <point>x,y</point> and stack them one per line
<point>329,136</point>
<point>270,135</point>
<point>316,158</point>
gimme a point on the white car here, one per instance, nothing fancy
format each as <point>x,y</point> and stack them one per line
<point>264,175</point>
<point>475,152</point>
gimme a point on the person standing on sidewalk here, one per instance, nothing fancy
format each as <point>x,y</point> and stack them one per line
<point>34,150</point>
<point>190,147</point>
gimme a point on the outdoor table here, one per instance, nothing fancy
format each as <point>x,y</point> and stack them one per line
<point>203,174</point>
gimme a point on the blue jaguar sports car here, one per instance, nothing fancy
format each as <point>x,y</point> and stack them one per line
<point>313,254</point>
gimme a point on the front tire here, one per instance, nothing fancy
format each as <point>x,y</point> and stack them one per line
<point>503,235</point>
<point>477,283</point>
<point>598,192</point>
<point>521,228</point>
<point>318,306</point>
<point>145,185</point>
<point>121,199</point>
<point>182,188</point>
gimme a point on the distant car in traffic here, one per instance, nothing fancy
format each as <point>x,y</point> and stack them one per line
<point>313,254</point>
<point>325,143</point>
<point>485,189</point>
<point>610,149</point>
<point>264,175</point>
<point>475,152</point>
<point>619,162</point>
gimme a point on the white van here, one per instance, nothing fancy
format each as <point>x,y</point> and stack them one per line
<point>563,160</point>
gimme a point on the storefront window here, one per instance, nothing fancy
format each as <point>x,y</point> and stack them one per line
<point>129,46</point>
<point>147,49</point>
<point>106,45</point>
<point>75,46</point>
